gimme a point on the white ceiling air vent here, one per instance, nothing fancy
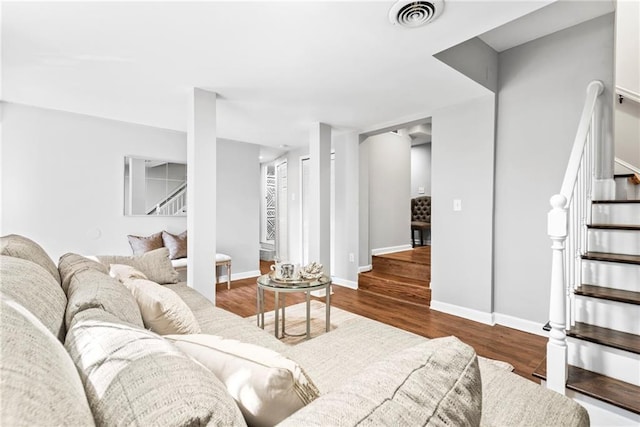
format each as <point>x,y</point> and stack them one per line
<point>414,14</point>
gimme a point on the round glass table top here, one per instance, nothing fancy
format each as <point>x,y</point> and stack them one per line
<point>269,280</point>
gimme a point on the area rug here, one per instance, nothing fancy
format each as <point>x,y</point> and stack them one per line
<point>295,321</point>
<point>295,325</point>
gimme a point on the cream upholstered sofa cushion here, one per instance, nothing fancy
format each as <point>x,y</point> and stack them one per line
<point>134,377</point>
<point>93,289</point>
<point>155,264</point>
<point>70,264</point>
<point>163,311</point>
<point>267,386</point>
<point>21,247</point>
<point>433,383</point>
<point>39,384</point>
<point>33,287</point>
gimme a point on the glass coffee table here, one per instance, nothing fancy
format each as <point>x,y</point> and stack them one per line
<point>268,282</point>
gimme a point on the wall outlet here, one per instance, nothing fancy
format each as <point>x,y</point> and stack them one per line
<point>352,257</point>
<point>420,190</point>
<point>293,197</point>
<point>457,204</point>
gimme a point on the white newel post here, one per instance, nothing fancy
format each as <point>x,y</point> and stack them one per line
<point>557,345</point>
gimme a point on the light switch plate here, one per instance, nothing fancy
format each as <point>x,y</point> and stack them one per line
<point>457,204</point>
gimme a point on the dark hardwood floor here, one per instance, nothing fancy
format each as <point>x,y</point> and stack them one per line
<point>523,350</point>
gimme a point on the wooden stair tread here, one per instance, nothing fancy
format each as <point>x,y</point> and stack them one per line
<point>393,278</point>
<point>419,255</point>
<point>609,337</point>
<point>623,175</point>
<point>609,257</point>
<point>615,392</point>
<point>602,202</point>
<point>614,227</point>
<point>611,294</point>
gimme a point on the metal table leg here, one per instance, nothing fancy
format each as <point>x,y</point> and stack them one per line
<point>308,314</point>
<point>284,304</point>
<point>277,313</point>
<point>327,307</point>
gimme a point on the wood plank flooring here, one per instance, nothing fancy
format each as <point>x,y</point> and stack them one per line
<point>524,351</point>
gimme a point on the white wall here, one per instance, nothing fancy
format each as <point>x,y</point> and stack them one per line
<point>63,179</point>
<point>294,207</point>
<point>389,190</point>
<point>346,233</point>
<point>462,168</point>
<point>627,114</point>
<point>238,206</point>
<point>542,90</point>
<point>421,169</point>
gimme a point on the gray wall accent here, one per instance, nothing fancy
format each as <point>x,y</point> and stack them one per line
<point>542,91</point>
<point>389,190</point>
<point>238,204</point>
<point>421,169</point>
<point>63,179</point>
<point>463,160</point>
<point>475,59</point>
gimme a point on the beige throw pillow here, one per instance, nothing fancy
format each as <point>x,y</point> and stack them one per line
<point>123,272</point>
<point>133,377</point>
<point>176,243</point>
<point>436,383</point>
<point>267,386</point>
<point>156,265</point>
<point>163,311</point>
<point>141,244</point>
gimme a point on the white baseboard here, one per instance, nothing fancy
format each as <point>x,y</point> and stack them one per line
<point>467,313</point>
<point>365,268</point>
<point>344,283</point>
<point>520,324</point>
<point>240,276</point>
<point>390,250</point>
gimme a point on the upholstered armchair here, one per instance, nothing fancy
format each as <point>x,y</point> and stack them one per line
<point>420,217</point>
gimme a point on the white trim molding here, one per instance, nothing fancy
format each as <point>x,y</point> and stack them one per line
<point>464,312</point>
<point>344,283</point>
<point>390,250</point>
<point>520,324</point>
<point>365,268</point>
<point>240,276</point>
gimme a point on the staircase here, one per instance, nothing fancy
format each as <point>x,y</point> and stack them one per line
<point>403,276</point>
<point>593,354</point>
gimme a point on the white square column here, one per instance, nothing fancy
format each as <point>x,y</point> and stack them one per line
<point>201,192</point>
<point>320,195</point>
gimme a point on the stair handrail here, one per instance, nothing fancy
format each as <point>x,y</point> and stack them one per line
<point>627,165</point>
<point>164,207</point>
<point>566,227</point>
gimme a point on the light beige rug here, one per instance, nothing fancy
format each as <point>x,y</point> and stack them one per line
<point>295,321</point>
<point>295,324</point>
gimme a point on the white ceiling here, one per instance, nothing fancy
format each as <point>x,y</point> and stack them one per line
<point>277,66</point>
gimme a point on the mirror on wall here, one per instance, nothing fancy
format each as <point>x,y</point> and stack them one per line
<point>154,187</point>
